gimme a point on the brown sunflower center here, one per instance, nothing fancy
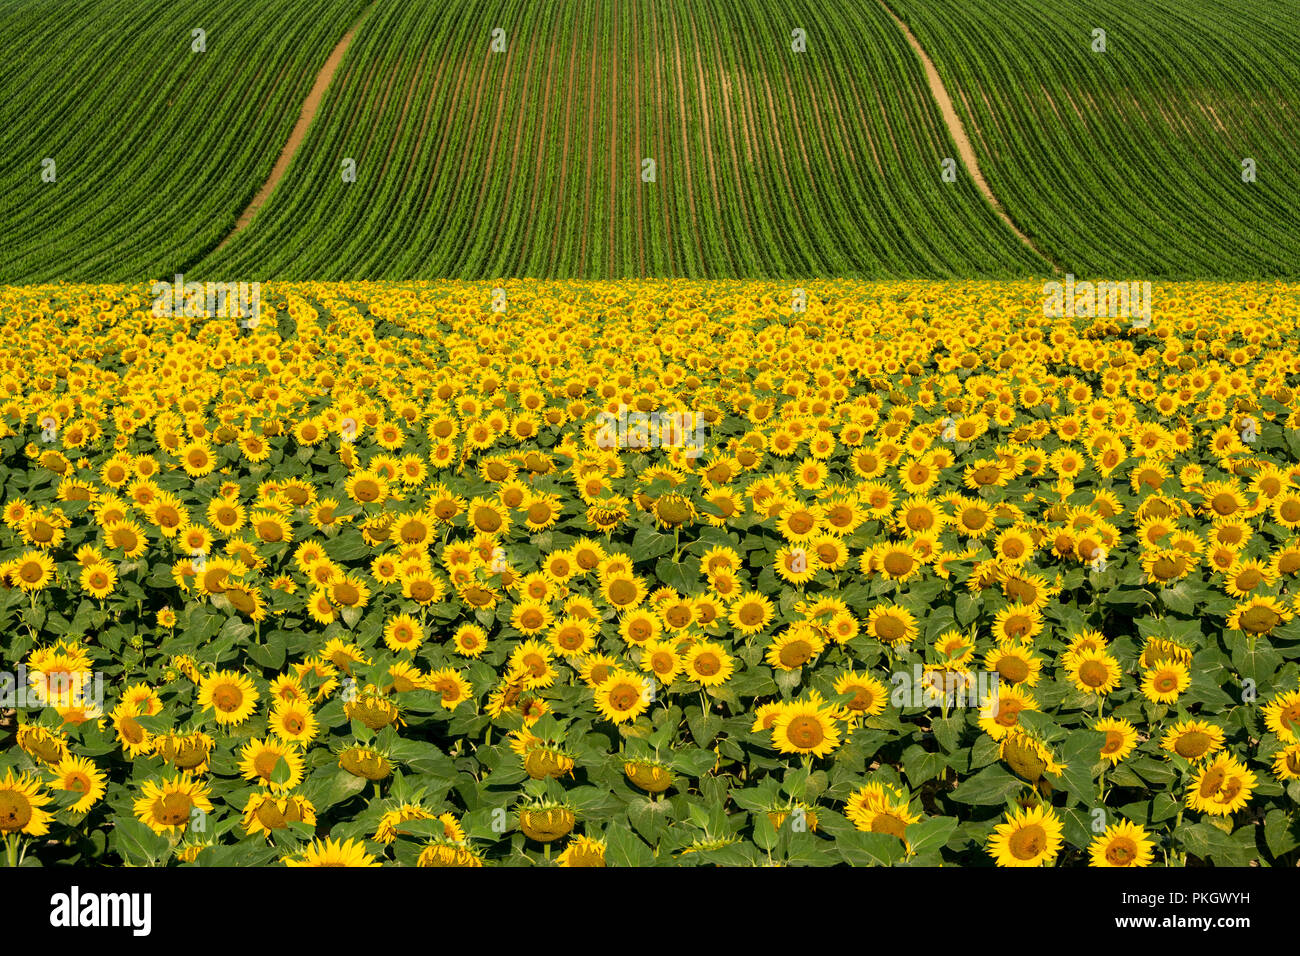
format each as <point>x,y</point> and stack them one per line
<point>805,732</point>
<point>173,809</point>
<point>1259,619</point>
<point>1192,744</point>
<point>1013,669</point>
<point>1028,842</point>
<point>15,811</point>
<point>624,697</point>
<point>1093,673</point>
<point>227,697</point>
<point>796,653</point>
<point>1121,851</point>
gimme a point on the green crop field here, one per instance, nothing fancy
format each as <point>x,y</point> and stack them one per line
<point>1130,161</point>
<point>646,138</point>
<point>156,148</point>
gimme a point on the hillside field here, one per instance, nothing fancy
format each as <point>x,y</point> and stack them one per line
<point>479,155</point>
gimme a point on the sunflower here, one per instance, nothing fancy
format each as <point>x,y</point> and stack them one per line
<point>533,659</point>
<point>390,823</point>
<point>349,591</point>
<point>32,571</point>
<point>331,852</point>
<point>546,822</point>
<point>623,696</point>
<point>623,591</point>
<point>1282,716</point>
<point>365,762</point>
<point>1017,623</point>
<point>487,516</point>
<point>1167,565</point>
<point>806,727</point>
<point>1159,649</point>
<point>267,812</point>
<point>1028,757</point>
<point>531,616</point>
<point>1093,671</point>
<point>708,664</point>
<point>796,564</point>
<point>879,808</point>
<point>451,687</point>
<point>79,775</point>
<point>1165,682</point>
<point>797,522</point>
<point>1247,576</point>
<point>1014,665</point>
<point>1028,837</point>
<point>262,761</point>
<point>403,633</point>
<point>21,801</point>
<point>1121,738</point>
<point>188,752</point>
<point>231,697</point>
<point>99,580</point>
<point>372,709</point>
<point>542,761</point>
<point>1122,844</point>
<point>794,647</point>
<point>448,855</point>
<point>661,659</point>
<point>127,537</point>
<point>750,613</point>
<point>891,624</point>
<point>42,744</point>
<point>470,640</point>
<point>197,459</point>
<point>135,740</point>
<point>1286,763</point>
<point>1193,740</point>
<point>1258,615</point>
<point>582,851</point>
<point>366,487</point>
<point>898,561</point>
<point>1221,787</point>
<point>765,716</point>
<point>573,636</point>
<point>869,696</point>
<point>1000,713</point>
<point>652,776</point>
<point>170,806</point>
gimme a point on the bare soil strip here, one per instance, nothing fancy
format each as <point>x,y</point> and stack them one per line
<point>957,131</point>
<point>299,133</point>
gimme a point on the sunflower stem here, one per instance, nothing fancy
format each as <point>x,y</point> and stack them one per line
<point>11,849</point>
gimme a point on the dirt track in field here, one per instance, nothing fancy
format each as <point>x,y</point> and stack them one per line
<point>957,131</point>
<point>299,133</point>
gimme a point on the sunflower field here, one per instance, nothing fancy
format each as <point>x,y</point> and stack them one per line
<point>605,573</point>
